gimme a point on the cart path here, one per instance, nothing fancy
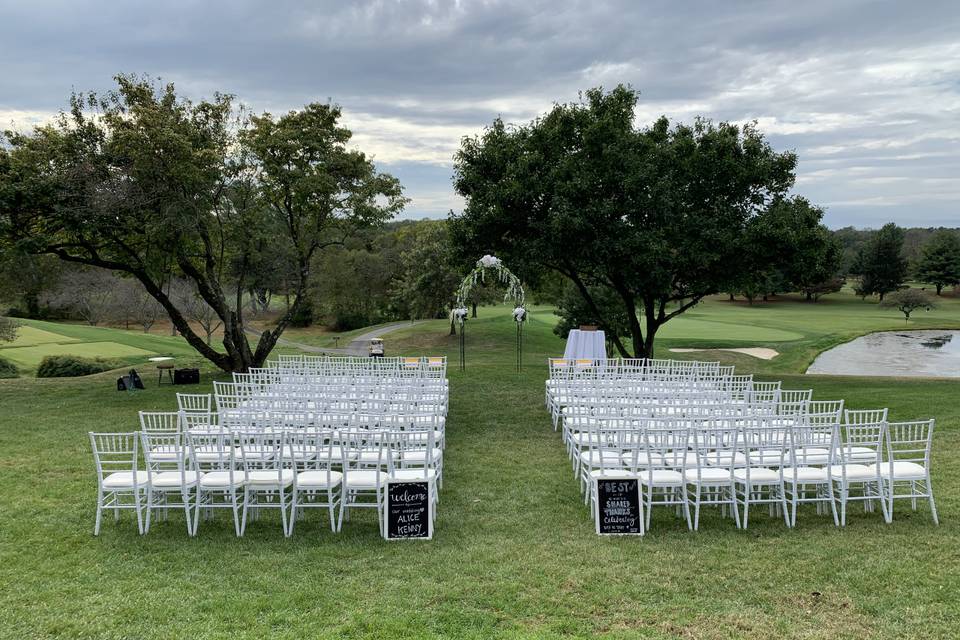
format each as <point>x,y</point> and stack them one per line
<point>356,347</point>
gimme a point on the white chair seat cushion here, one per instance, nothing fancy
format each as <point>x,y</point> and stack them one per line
<point>857,453</point>
<point>363,478</point>
<point>758,475</point>
<point>854,472</point>
<point>318,479</point>
<point>124,480</point>
<point>806,475</point>
<point>661,477</point>
<point>334,453</point>
<point>612,473</point>
<point>374,457</point>
<point>414,474</point>
<point>643,458</point>
<point>168,479</point>
<point>220,479</point>
<point>708,475</point>
<point>267,477</point>
<point>594,457</point>
<point>811,455</point>
<point>769,458</point>
<point>723,458</point>
<point>902,470</point>
<point>214,454</point>
<point>420,455</point>
<point>299,453</point>
<point>164,454</point>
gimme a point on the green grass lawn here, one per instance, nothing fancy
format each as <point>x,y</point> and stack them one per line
<point>37,339</point>
<point>514,553</point>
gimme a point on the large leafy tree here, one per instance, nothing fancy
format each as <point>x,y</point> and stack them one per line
<point>428,276</point>
<point>656,215</point>
<point>939,263</point>
<point>145,182</point>
<point>880,263</point>
<point>788,249</point>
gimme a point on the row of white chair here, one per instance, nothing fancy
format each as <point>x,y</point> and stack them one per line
<point>684,433</point>
<point>246,471</point>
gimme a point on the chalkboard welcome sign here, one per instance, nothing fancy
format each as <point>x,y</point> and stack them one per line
<point>618,506</point>
<point>408,511</point>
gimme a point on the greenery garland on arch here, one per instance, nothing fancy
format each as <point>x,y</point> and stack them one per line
<point>514,291</point>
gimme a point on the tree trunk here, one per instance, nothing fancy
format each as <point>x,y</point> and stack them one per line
<point>939,288</point>
<point>474,309</point>
<point>453,326</point>
<point>731,297</point>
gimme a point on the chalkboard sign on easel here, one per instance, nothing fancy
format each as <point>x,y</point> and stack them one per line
<point>408,511</point>
<point>618,506</point>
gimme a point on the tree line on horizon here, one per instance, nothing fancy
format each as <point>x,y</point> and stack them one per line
<point>138,205</point>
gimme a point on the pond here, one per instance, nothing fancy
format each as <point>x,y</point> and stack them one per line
<point>894,353</point>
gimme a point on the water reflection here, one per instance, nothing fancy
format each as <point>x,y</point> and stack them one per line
<point>910,353</point>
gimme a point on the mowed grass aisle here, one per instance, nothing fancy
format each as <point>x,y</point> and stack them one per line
<point>514,555</point>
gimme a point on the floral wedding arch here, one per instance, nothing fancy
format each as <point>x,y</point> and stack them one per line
<point>514,292</point>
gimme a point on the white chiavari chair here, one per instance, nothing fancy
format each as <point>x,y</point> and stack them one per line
<point>171,474</point>
<point>121,484</point>
<point>906,471</point>
<point>856,471</point>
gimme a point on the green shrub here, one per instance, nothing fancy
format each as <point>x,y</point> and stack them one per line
<point>8,369</point>
<point>350,320</point>
<point>71,366</point>
<point>303,316</point>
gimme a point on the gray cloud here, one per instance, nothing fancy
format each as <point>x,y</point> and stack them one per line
<point>868,93</point>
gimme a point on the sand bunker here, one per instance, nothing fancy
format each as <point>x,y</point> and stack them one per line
<point>757,352</point>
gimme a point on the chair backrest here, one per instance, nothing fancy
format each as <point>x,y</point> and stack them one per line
<point>197,421</point>
<point>715,444</point>
<point>667,444</point>
<point>317,448</point>
<point>863,433</point>
<point>115,453</point>
<point>213,449</point>
<point>263,450</point>
<point>160,421</point>
<point>825,412</point>
<point>813,444</point>
<point>195,402</point>
<point>166,451</point>
<point>910,441</point>
<point>763,445</point>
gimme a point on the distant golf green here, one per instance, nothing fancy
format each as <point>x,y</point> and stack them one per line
<point>37,339</point>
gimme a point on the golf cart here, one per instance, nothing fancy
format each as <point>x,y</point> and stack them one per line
<point>376,348</point>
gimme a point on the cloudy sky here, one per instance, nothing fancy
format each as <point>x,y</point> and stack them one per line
<point>867,93</point>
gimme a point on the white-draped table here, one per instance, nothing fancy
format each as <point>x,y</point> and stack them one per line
<point>586,345</point>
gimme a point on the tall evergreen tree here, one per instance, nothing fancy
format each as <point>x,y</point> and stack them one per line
<point>939,263</point>
<point>880,263</point>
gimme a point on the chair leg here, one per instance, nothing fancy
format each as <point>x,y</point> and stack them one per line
<point>283,514</point>
<point>236,512</point>
<point>333,524</point>
<point>96,524</point>
<point>734,506</point>
<point>933,505</point>
<point>696,508</point>
<point>746,506</point>
<point>139,509</point>
<point>246,505</point>
<point>843,504</point>
<point>293,513</point>
<point>146,524</point>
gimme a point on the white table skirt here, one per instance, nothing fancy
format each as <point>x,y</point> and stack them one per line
<point>590,345</point>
